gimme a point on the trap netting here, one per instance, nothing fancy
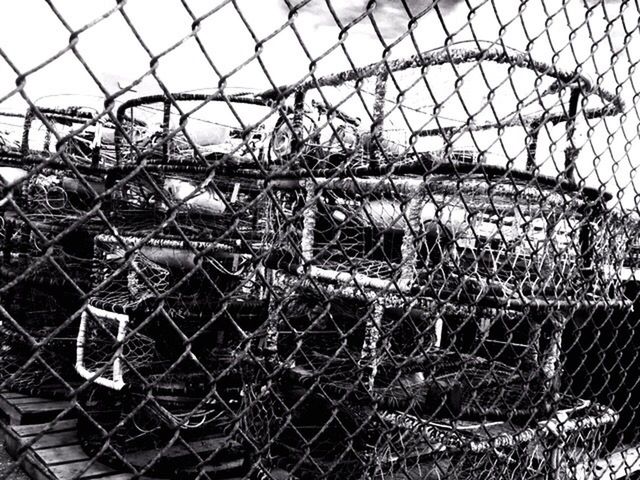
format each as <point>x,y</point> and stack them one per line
<point>417,265</point>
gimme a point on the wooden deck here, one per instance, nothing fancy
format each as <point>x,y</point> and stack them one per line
<point>50,450</point>
<point>53,452</point>
<point>19,409</point>
<point>47,450</point>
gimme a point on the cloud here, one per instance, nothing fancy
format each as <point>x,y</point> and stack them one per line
<point>391,16</point>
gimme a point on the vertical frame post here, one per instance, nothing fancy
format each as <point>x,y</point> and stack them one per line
<point>572,152</point>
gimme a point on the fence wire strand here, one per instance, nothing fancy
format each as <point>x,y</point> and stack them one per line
<point>404,248</point>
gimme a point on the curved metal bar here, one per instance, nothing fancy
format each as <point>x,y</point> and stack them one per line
<point>73,115</point>
<point>428,166</point>
<point>453,56</point>
<point>167,102</point>
<point>381,71</point>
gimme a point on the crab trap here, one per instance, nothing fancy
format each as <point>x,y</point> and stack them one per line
<point>181,205</point>
<point>47,229</point>
<point>37,330</point>
<point>47,249</point>
<point>339,384</point>
<point>430,273</point>
<point>197,129</point>
<point>457,224</point>
<point>45,269</point>
<point>177,177</point>
<point>566,445</point>
<point>51,210</point>
<point>475,241</point>
<point>76,136</point>
<point>333,280</point>
<point>153,301</point>
<point>318,427</point>
<point>46,236</point>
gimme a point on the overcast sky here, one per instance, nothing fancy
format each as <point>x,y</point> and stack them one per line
<point>30,33</point>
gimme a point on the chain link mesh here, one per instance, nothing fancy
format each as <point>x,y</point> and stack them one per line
<point>388,240</point>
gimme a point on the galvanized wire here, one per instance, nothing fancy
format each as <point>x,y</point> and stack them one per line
<point>418,265</point>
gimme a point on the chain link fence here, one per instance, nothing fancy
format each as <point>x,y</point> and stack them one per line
<point>415,259</point>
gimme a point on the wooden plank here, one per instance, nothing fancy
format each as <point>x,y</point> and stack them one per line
<point>15,446</point>
<point>8,412</point>
<point>60,455</point>
<point>9,395</point>
<point>49,440</point>
<point>34,470</point>
<point>28,400</point>
<point>69,471</point>
<point>18,409</point>
<point>43,412</point>
<point>178,450</point>
<point>618,464</point>
<point>47,406</point>
<point>16,436</point>
<point>30,430</point>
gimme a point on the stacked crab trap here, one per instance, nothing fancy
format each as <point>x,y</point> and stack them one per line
<point>178,284</point>
<point>339,279</point>
<point>423,274</point>
<point>47,226</point>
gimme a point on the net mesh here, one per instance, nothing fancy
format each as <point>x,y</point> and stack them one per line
<point>504,238</point>
<point>388,240</point>
<point>29,368</point>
